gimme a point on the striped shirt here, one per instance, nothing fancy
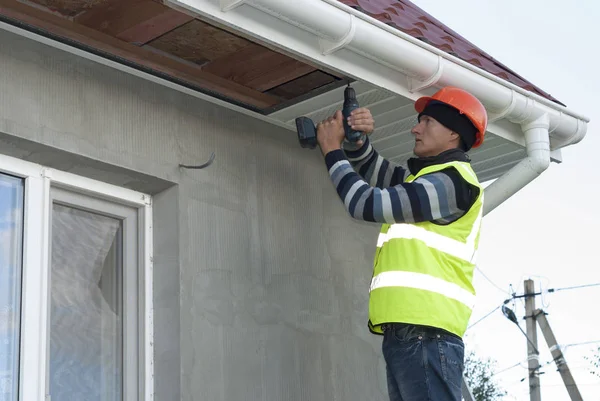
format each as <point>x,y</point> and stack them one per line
<point>441,197</point>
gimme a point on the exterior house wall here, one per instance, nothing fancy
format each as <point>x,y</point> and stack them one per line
<point>261,278</point>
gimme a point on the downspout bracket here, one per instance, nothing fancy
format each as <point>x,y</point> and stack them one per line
<point>328,47</point>
<point>417,86</point>
<point>509,109</point>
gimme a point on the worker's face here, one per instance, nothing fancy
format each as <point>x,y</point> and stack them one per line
<point>432,138</point>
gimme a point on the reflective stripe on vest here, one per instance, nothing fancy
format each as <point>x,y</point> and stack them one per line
<point>465,251</point>
<point>423,282</point>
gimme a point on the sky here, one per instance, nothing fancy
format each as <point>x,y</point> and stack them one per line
<point>545,232</point>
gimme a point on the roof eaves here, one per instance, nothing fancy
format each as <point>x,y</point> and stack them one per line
<point>338,37</point>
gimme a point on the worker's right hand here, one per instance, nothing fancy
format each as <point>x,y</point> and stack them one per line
<point>330,133</point>
<point>362,120</point>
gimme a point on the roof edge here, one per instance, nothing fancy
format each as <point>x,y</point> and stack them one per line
<point>349,41</point>
<point>452,58</point>
<point>426,19</point>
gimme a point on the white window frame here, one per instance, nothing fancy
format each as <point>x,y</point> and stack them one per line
<point>38,181</point>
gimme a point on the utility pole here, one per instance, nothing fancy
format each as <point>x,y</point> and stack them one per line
<point>533,356</point>
<point>558,356</point>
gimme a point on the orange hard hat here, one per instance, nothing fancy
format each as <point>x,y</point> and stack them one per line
<point>465,103</point>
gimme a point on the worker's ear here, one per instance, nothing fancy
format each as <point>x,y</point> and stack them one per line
<point>454,137</point>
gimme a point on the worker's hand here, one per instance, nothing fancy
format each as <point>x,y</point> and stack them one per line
<point>362,120</point>
<point>330,133</point>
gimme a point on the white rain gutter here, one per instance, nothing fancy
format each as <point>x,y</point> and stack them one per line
<point>334,35</point>
<point>337,30</point>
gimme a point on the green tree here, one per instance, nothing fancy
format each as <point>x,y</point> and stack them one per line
<point>479,376</point>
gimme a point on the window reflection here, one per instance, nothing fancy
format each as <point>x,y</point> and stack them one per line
<point>11,252</point>
<point>86,314</point>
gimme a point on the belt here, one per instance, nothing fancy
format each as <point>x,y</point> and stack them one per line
<point>426,330</point>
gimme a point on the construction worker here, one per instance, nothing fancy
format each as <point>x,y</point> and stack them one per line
<point>421,293</point>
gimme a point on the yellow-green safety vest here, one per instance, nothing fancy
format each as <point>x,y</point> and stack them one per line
<point>423,272</point>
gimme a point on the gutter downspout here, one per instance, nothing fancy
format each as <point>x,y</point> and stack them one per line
<point>537,143</point>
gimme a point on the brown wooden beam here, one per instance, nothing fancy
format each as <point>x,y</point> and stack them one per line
<point>115,16</point>
<point>134,21</point>
<point>302,85</point>
<point>194,75</point>
<point>259,68</point>
<point>154,27</point>
<point>199,42</point>
<point>67,8</point>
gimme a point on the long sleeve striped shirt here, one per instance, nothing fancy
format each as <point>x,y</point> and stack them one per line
<point>383,196</point>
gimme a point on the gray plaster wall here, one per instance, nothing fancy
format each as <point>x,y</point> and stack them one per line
<point>261,278</point>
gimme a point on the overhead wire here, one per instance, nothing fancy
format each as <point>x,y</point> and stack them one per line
<point>532,371</point>
<point>544,282</point>
<point>497,307</point>
<point>552,290</point>
<point>571,385</point>
<point>485,316</point>
<point>513,293</point>
<point>575,287</point>
<point>491,282</point>
<point>582,343</point>
<point>513,298</point>
<point>518,364</point>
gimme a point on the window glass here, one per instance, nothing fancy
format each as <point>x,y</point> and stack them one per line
<point>11,252</point>
<point>86,311</point>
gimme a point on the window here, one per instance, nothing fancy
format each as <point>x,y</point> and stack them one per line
<point>93,265</point>
<point>75,288</point>
<point>11,252</point>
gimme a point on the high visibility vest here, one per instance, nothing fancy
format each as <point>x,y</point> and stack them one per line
<point>423,272</point>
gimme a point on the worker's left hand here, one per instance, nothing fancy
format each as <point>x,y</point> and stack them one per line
<point>330,133</point>
<point>362,120</point>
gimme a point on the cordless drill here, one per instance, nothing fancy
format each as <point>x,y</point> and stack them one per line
<point>307,132</point>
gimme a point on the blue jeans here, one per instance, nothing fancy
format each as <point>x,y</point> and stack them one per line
<point>422,363</point>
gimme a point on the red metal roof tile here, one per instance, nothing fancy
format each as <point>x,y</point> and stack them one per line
<point>410,19</point>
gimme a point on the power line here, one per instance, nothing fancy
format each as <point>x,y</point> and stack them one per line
<point>509,368</point>
<point>486,315</point>
<point>491,282</point>
<point>583,343</point>
<point>538,370</point>
<point>573,287</point>
<point>499,289</point>
<point>571,385</point>
<point>550,290</point>
<point>545,304</point>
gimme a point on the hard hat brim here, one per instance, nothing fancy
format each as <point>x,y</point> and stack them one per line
<point>422,102</point>
<point>462,101</point>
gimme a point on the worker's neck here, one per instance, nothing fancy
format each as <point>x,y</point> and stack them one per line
<point>416,164</point>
